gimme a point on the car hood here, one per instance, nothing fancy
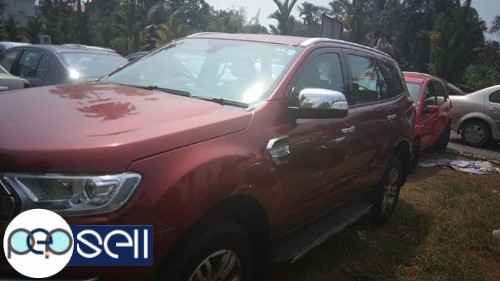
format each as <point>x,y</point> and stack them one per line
<point>99,127</point>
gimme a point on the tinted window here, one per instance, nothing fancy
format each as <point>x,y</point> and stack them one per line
<point>393,79</point>
<point>32,64</point>
<point>324,71</point>
<point>7,59</point>
<point>368,83</point>
<point>495,97</point>
<point>441,94</point>
<point>430,95</point>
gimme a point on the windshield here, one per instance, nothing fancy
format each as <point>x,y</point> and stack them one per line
<point>92,65</point>
<point>414,89</point>
<point>237,71</point>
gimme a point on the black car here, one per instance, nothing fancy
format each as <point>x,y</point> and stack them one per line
<point>57,64</point>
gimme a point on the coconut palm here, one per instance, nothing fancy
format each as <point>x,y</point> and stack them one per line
<point>283,16</point>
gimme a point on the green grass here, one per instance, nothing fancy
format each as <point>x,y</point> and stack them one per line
<point>441,231</point>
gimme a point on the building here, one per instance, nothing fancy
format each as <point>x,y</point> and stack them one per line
<point>19,10</point>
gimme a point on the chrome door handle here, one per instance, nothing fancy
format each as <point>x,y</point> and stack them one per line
<point>349,130</point>
<point>392,117</point>
<point>493,109</point>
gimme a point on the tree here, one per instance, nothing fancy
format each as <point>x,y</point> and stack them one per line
<point>454,40</point>
<point>495,25</point>
<point>311,15</point>
<point>485,70</point>
<point>356,13</point>
<point>286,21</point>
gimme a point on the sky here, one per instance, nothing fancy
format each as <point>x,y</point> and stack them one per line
<point>487,9</point>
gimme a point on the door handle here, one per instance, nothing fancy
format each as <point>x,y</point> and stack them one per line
<point>392,117</point>
<point>493,109</point>
<point>350,130</point>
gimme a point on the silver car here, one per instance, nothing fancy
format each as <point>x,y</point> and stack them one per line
<point>476,116</point>
<point>11,82</point>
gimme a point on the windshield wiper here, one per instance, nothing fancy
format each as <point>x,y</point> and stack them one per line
<point>165,90</point>
<point>223,101</point>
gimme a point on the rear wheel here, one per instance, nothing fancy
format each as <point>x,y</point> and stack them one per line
<point>475,133</point>
<point>387,194</point>
<point>216,249</point>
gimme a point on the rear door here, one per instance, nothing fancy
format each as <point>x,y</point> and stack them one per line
<point>375,87</point>
<point>32,66</point>
<point>493,107</point>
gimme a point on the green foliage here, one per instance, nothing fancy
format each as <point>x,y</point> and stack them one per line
<point>286,22</point>
<point>485,70</point>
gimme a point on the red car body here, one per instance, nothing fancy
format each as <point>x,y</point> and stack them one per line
<point>433,110</point>
<point>197,156</point>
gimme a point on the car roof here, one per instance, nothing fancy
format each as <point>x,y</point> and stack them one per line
<point>417,77</point>
<point>282,39</point>
<point>68,48</point>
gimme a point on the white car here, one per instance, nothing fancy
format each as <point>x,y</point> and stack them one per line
<point>476,116</point>
<point>11,82</point>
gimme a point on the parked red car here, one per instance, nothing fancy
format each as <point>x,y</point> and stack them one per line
<point>238,149</point>
<point>433,112</point>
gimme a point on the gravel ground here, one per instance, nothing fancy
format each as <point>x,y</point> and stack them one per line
<point>490,152</point>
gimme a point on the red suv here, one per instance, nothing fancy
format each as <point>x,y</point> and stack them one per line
<point>237,149</point>
<point>433,108</point>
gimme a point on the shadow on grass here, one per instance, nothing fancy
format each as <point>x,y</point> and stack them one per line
<point>361,252</point>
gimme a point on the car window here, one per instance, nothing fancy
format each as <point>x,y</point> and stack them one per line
<point>495,97</point>
<point>92,65</point>
<point>324,71</point>
<point>32,64</point>
<point>441,94</point>
<point>7,59</point>
<point>393,79</point>
<point>414,89</point>
<point>430,95</point>
<point>368,83</point>
<point>238,71</point>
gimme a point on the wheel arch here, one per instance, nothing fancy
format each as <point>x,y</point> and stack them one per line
<point>246,212</point>
<point>479,117</point>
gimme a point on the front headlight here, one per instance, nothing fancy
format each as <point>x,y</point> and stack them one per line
<point>73,195</point>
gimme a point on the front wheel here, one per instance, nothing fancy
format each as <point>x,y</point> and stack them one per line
<point>475,133</point>
<point>387,193</point>
<point>216,249</point>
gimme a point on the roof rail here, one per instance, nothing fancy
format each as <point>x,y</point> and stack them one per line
<point>313,41</point>
<point>204,33</point>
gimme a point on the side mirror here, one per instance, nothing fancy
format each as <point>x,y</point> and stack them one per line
<point>430,109</point>
<point>314,103</point>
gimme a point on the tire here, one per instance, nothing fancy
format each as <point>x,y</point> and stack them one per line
<point>443,140</point>
<point>217,242</point>
<point>415,156</point>
<point>475,133</point>
<point>387,193</point>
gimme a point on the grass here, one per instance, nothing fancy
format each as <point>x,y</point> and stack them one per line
<point>441,231</point>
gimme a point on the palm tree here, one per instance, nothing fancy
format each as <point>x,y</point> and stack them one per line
<point>309,13</point>
<point>284,17</point>
<point>357,13</point>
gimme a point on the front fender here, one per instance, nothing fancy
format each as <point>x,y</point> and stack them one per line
<point>181,186</point>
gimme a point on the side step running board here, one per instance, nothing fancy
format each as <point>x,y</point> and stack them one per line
<point>295,245</point>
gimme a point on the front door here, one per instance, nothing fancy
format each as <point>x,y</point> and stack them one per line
<point>320,149</point>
